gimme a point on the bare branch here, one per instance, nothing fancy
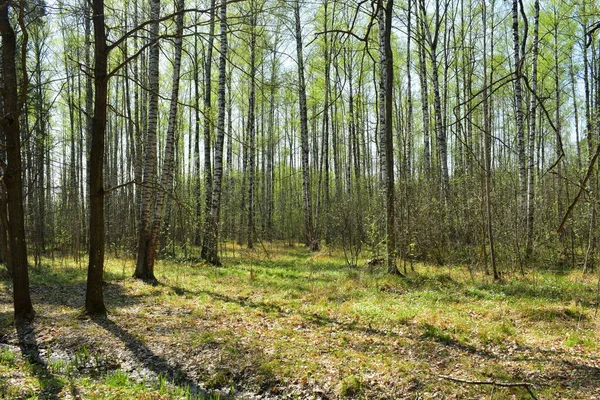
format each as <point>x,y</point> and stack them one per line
<point>144,24</point>
<point>527,386</point>
<point>581,189</point>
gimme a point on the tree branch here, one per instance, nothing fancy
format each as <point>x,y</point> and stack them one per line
<point>525,385</point>
<point>144,24</point>
<point>581,189</point>
<point>589,33</point>
<point>118,187</point>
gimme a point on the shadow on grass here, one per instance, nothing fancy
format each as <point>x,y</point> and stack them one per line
<point>583,375</point>
<point>173,373</point>
<point>6,320</point>
<point>73,295</point>
<point>301,265</point>
<point>51,385</point>
<point>59,275</point>
<point>316,319</point>
<point>289,275</point>
<point>322,320</point>
<point>528,290</point>
<point>65,286</point>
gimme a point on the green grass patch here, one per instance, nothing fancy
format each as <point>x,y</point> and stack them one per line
<point>7,357</point>
<point>117,379</point>
<point>298,323</point>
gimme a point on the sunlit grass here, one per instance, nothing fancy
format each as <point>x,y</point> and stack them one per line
<point>279,316</point>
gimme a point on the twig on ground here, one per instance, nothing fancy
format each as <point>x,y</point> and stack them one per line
<point>527,386</point>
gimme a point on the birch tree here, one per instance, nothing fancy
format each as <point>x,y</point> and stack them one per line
<point>212,235</point>
<point>386,157</point>
<point>166,178</point>
<point>143,270</point>
<point>311,240</point>
<point>532,132</point>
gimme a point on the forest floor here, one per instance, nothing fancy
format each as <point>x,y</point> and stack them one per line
<point>280,322</point>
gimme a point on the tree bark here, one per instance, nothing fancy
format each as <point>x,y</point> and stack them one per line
<point>558,137</point>
<point>424,86</point>
<point>271,142</point>
<point>212,250</point>
<point>169,154</point>
<point>519,108</point>
<point>12,174</point>
<point>251,128</point>
<point>94,298</point>
<point>487,145</point>
<point>208,176</point>
<point>386,82</point>
<point>144,271</point>
<point>532,134</point>
<point>311,240</point>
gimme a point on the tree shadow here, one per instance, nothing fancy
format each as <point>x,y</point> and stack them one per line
<point>65,286</point>
<point>322,320</point>
<point>313,318</point>
<point>6,320</point>
<point>528,290</point>
<point>50,384</point>
<point>585,375</point>
<point>72,295</point>
<point>574,373</point>
<point>174,374</point>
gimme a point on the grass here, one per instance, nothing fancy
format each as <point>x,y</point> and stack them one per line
<point>296,324</point>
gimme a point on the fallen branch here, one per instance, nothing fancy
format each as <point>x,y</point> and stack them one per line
<point>527,386</point>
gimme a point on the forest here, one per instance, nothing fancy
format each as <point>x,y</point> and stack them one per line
<point>310,199</point>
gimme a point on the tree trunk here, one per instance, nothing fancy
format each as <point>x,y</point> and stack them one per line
<point>196,158</point>
<point>558,138</point>
<point>5,256</point>
<point>167,168</point>
<point>519,109</point>
<point>144,271</point>
<point>208,178</point>
<point>311,240</point>
<point>487,145</point>
<point>325,130</point>
<point>212,251</point>
<point>271,143</point>
<point>94,298</point>
<point>424,99</point>
<point>251,128</point>
<point>409,105</point>
<point>532,134</point>
<point>386,157</point>
<point>12,106</point>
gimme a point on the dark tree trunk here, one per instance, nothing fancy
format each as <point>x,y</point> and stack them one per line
<point>251,130</point>
<point>385,125</point>
<point>94,298</point>
<point>12,175</point>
